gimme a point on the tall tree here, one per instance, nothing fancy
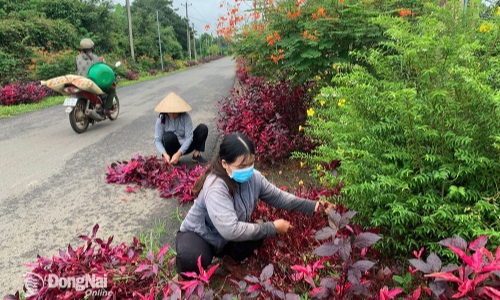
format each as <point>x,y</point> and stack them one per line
<point>145,24</point>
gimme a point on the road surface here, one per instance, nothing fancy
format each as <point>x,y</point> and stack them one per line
<point>52,180</point>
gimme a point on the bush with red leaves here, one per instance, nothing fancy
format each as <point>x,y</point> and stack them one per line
<point>22,93</point>
<point>132,76</point>
<point>270,115</point>
<point>122,270</point>
<point>295,247</point>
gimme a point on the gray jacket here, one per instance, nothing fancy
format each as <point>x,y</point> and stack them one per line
<point>84,61</point>
<point>182,127</point>
<point>218,218</point>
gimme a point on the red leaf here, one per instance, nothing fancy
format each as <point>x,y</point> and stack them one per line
<point>162,251</point>
<point>492,292</point>
<point>464,288</point>
<point>94,230</point>
<point>141,268</point>
<point>299,269</point>
<point>255,287</point>
<point>480,242</point>
<point>466,259</point>
<point>210,272</point>
<point>481,278</point>
<point>445,276</point>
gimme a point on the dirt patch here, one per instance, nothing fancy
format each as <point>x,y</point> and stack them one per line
<point>288,173</point>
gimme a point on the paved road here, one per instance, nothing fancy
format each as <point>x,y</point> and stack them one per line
<point>52,180</point>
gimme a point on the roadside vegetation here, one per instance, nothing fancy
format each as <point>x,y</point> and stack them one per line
<point>392,107</point>
<point>39,42</point>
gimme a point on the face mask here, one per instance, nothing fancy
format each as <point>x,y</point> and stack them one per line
<point>242,175</point>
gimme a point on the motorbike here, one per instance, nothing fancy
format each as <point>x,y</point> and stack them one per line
<point>85,107</point>
<point>85,100</point>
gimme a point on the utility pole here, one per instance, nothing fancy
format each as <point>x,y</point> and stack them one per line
<point>159,40</point>
<point>131,38</point>
<point>194,42</point>
<point>187,30</point>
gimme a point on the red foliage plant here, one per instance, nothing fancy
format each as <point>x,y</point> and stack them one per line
<point>177,181</point>
<point>342,271</point>
<point>123,269</point>
<point>132,75</point>
<point>295,247</point>
<point>477,278</point>
<point>270,115</point>
<point>22,93</point>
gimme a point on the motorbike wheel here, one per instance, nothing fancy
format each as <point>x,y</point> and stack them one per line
<point>115,109</point>
<point>77,118</point>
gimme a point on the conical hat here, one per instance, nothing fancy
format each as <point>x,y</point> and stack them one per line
<point>172,103</point>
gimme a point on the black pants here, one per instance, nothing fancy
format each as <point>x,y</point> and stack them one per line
<point>190,246</point>
<point>108,101</point>
<point>172,145</point>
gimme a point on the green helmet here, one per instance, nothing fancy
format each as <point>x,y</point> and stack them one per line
<point>86,44</point>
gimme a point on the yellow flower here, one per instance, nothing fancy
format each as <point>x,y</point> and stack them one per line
<point>301,128</point>
<point>341,102</point>
<point>318,167</point>
<point>310,112</point>
<point>322,102</point>
<point>321,179</point>
<point>498,11</point>
<point>485,27</point>
<point>301,182</point>
<point>302,164</point>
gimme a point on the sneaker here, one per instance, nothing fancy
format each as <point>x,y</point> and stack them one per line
<point>199,159</point>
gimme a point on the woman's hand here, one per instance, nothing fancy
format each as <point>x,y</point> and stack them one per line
<point>282,226</point>
<point>320,207</point>
<point>166,157</point>
<point>175,158</point>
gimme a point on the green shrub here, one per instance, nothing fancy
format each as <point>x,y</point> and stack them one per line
<point>416,134</point>
<point>54,35</point>
<point>7,66</point>
<point>146,63</point>
<point>49,65</point>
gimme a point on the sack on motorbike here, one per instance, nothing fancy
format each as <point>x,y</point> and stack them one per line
<point>83,83</point>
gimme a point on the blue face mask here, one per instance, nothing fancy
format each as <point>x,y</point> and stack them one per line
<point>242,175</point>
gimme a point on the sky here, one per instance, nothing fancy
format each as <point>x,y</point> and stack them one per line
<point>200,12</point>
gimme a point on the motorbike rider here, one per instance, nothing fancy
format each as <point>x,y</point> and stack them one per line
<point>84,61</point>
